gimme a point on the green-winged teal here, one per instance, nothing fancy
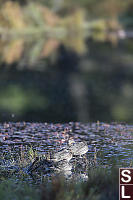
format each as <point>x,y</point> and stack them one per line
<point>63,154</point>
<point>77,148</point>
<point>63,165</point>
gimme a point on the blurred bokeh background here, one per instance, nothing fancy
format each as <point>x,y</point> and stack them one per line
<point>66,60</point>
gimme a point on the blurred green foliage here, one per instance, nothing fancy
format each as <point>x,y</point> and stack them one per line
<point>25,45</point>
<point>48,90</point>
<point>17,100</point>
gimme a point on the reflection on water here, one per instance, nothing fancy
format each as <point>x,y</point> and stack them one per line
<point>65,86</point>
<point>57,67</point>
<point>109,144</point>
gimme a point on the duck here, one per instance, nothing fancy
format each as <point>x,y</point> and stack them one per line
<point>40,163</point>
<point>63,154</point>
<point>77,148</point>
<point>63,165</point>
<point>48,165</point>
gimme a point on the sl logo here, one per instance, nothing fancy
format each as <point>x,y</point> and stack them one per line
<point>126,184</point>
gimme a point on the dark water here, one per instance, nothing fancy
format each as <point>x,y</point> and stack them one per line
<point>68,86</point>
<point>109,145</point>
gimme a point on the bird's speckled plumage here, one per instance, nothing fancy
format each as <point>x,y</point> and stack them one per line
<point>63,154</point>
<point>77,148</point>
<point>63,165</point>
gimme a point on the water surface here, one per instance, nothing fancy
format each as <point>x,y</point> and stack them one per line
<point>109,145</point>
